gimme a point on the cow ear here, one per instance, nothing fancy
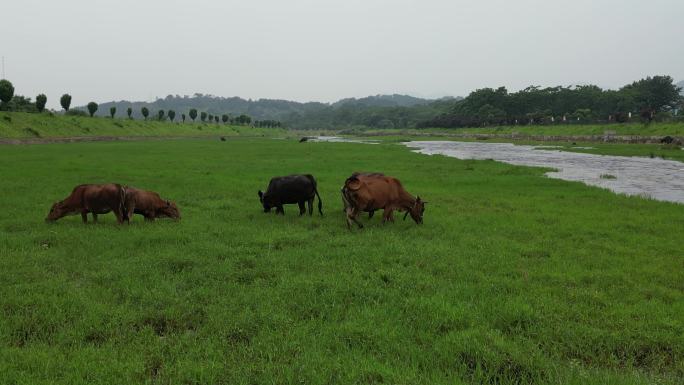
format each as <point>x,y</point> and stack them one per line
<point>168,204</point>
<point>417,198</point>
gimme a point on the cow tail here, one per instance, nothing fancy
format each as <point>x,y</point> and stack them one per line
<point>315,186</point>
<point>320,204</point>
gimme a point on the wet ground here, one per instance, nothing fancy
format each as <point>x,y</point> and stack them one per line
<point>654,178</point>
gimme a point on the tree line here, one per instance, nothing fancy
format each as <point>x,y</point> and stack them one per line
<point>652,98</point>
<point>643,100</point>
<point>17,103</point>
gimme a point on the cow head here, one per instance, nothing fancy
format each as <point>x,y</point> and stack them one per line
<point>169,210</point>
<point>264,201</point>
<point>417,211</point>
<point>58,210</point>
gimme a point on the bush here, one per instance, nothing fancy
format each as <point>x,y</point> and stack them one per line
<point>76,113</point>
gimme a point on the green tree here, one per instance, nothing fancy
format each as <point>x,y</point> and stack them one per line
<point>203,116</point>
<point>145,112</point>
<point>160,114</point>
<point>183,117</point>
<point>243,119</point>
<point>225,118</point>
<point>658,93</point>
<point>65,102</point>
<point>92,108</point>
<point>172,115</point>
<point>216,119</point>
<point>193,114</point>
<point>41,100</point>
<point>6,91</point>
<point>112,111</point>
<point>129,112</point>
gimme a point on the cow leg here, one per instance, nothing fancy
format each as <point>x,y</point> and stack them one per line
<point>302,208</point>
<point>310,203</point>
<point>149,216</point>
<point>371,213</point>
<point>280,210</point>
<point>119,217</point>
<point>387,215</point>
<point>351,217</point>
<point>84,216</point>
<point>94,218</point>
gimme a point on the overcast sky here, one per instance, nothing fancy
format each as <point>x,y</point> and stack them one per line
<point>324,50</point>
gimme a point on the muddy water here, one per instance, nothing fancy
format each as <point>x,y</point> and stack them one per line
<point>655,178</point>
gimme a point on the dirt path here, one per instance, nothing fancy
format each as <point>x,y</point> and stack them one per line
<point>76,139</point>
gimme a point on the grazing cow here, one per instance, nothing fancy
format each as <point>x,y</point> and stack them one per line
<point>344,200</point>
<point>91,198</point>
<point>667,140</point>
<point>298,189</point>
<point>149,204</point>
<point>375,192</point>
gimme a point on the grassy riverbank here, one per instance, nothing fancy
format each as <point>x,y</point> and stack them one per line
<point>631,129</point>
<point>17,125</point>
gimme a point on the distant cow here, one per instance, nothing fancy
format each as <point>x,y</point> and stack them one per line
<point>289,189</point>
<point>667,140</point>
<point>91,198</point>
<point>344,200</point>
<point>375,192</point>
<point>149,204</point>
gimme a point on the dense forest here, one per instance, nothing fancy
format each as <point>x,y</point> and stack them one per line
<point>647,99</point>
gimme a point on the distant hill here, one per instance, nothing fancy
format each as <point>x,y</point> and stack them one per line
<point>384,101</point>
<point>258,109</point>
<point>264,109</point>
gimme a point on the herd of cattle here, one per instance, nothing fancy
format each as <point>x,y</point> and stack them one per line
<point>362,192</point>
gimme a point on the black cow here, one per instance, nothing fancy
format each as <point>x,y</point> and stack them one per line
<point>290,189</point>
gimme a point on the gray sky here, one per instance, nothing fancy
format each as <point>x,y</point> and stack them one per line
<point>324,50</point>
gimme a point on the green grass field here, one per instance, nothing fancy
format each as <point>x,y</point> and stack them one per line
<point>17,125</point>
<point>514,278</point>
<point>628,129</point>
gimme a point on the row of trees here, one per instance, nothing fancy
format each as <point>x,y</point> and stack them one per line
<point>649,98</point>
<point>192,114</point>
<point>11,102</point>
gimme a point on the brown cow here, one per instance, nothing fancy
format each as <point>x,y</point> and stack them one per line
<point>344,200</point>
<point>91,198</point>
<point>375,192</point>
<point>149,204</point>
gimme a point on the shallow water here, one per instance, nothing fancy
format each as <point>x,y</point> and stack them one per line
<point>654,178</point>
<point>337,139</point>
